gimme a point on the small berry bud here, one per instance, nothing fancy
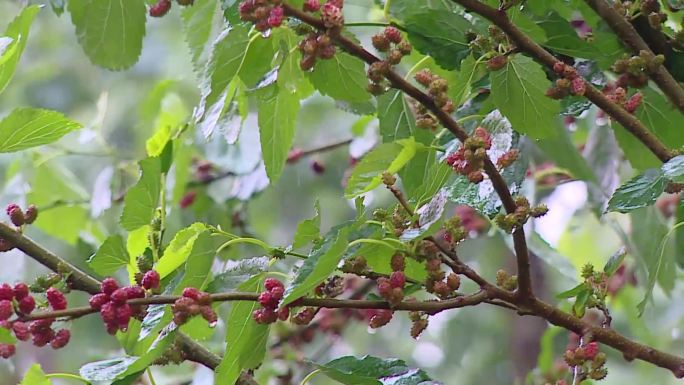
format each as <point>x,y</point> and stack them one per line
<point>380,42</point>
<point>312,5</point>
<point>453,281</point>
<point>16,214</point>
<point>7,350</point>
<point>398,262</point>
<point>209,314</point>
<point>283,313</point>
<point>304,316</point>
<point>393,34</point>
<point>380,317</point>
<point>417,327</point>
<point>31,214</point>
<point>578,86</point>
<point>161,8</point>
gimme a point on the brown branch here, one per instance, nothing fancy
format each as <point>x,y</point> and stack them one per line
<point>325,148</point>
<point>524,43</point>
<point>397,81</point>
<point>629,35</point>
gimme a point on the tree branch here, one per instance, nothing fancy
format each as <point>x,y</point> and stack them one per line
<point>629,35</point>
<point>524,43</point>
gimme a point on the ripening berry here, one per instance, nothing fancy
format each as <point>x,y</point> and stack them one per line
<point>119,296</point>
<point>188,199</point>
<point>277,292</point>
<point>591,350</point>
<point>26,305</point>
<point>317,167</point>
<point>61,339</point>
<point>327,51</point>
<point>417,327</point>
<point>41,325</point>
<point>294,155</point>
<point>559,67</point>
<point>5,245</point>
<point>209,314</point>
<point>497,62</point>
<point>283,313</point>
<point>332,16</point>
<point>43,338</point>
<point>634,102</point>
<point>191,292</point>
<point>380,42</point>
<point>182,304</point>
<point>380,317</point>
<point>442,289</point>
<point>134,292</point>
<point>161,8</point>
<point>16,214</point>
<point>180,318</point>
<point>264,316</point>
<point>108,285</point>
<point>397,279</point>
<point>312,5</point>
<point>20,290</point>
<point>394,57</point>
<point>398,262</point>
<point>6,309</point>
<point>98,300</point>
<point>275,19</point>
<point>21,330</point>
<point>151,280</point>
<point>304,316</point>
<point>7,350</point>
<point>31,214</point>
<point>204,299</point>
<point>108,313</point>
<point>268,301</point>
<point>337,3</point>
<point>123,315</point>
<point>393,34</point>
<point>270,283</point>
<point>384,287</point>
<point>6,292</point>
<point>453,281</point>
<point>56,299</point>
<point>578,86</point>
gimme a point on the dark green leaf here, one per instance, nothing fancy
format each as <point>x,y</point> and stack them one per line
<point>258,62</point>
<point>277,126</point>
<point>237,273</point>
<point>197,23</point>
<point>370,370</point>
<point>395,116</point>
<point>18,32</point>
<point>343,78</point>
<point>110,257</point>
<point>142,199</point>
<point>30,127</point>
<point>614,262</point>
<point>308,230</point>
<point>640,191</point>
<point>518,90</point>
<point>198,263</point>
<point>111,32</point>
<point>246,340</point>
<point>438,34</point>
<point>322,261</point>
<point>673,169</point>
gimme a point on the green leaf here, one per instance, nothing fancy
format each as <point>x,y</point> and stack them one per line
<point>518,90</point>
<point>227,58</point>
<point>551,256</point>
<point>142,199</point>
<point>342,78</point>
<point>277,125</point>
<point>197,24</point>
<point>110,257</point>
<point>198,263</point>
<point>35,376</point>
<point>580,305</point>
<point>564,153</point>
<point>6,336</point>
<point>429,217</point>
<point>390,157</point>
<point>322,261</point>
<point>439,34</point>
<point>30,127</point>
<point>640,191</point>
<point>178,250</point>
<point>395,116</point>
<point>308,230</point>
<point>246,340</point>
<point>673,169</point>
<point>106,370</point>
<point>471,71</point>
<point>237,273</point>
<point>258,62</point>
<point>172,114</point>
<point>110,31</point>
<point>574,292</point>
<point>290,75</point>
<point>435,178</point>
<point>614,262</point>
<point>18,31</point>
<point>378,256</point>
<point>370,370</point>
<point>661,117</point>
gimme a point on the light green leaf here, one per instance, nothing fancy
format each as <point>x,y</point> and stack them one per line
<point>245,338</point>
<point>237,273</point>
<point>290,76</point>
<point>518,90</point>
<point>172,114</point>
<point>197,24</point>
<point>640,191</point>
<point>6,336</point>
<point>390,157</point>
<point>178,250</point>
<point>258,62</point>
<point>322,261</point>
<point>198,263</point>
<point>277,125</point>
<point>110,257</point>
<point>308,230</point>
<point>395,116</point>
<point>18,31</point>
<point>110,31</point>
<point>30,127</point>
<point>614,262</point>
<point>343,78</point>
<point>142,199</point>
<point>35,376</point>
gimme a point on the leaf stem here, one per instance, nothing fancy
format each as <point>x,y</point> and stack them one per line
<point>310,376</point>
<point>68,376</point>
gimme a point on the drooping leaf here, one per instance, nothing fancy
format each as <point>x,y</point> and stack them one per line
<point>197,23</point>
<point>18,32</point>
<point>308,230</point>
<point>142,199</point>
<point>110,257</point>
<point>342,78</point>
<point>518,90</point>
<point>640,191</point>
<point>370,370</point>
<point>257,69</point>
<point>35,376</point>
<point>246,340</point>
<point>395,116</point>
<point>30,127</point>
<point>237,273</point>
<point>178,250</point>
<point>390,157</point>
<point>106,370</point>
<point>574,292</point>
<point>429,216</point>
<point>110,31</point>
<point>673,169</point>
<point>198,263</point>
<point>277,126</point>
<point>614,262</point>
<point>322,261</point>
<point>439,34</point>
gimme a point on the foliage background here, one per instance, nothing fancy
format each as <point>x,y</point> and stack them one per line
<point>464,346</point>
